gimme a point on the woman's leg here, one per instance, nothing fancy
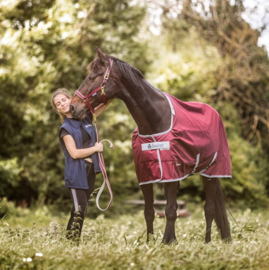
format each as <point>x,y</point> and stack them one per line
<point>80,204</point>
<point>77,214</point>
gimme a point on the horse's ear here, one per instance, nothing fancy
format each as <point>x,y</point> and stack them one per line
<point>101,55</point>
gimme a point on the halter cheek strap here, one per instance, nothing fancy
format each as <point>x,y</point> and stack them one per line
<point>100,88</point>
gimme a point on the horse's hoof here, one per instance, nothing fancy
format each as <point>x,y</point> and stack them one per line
<point>169,242</point>
<point>227,240</point>
<point>151,237</point>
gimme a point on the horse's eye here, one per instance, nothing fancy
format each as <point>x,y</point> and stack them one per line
<point>93,76</point>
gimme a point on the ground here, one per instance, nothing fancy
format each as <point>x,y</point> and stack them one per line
<point>34,239</point>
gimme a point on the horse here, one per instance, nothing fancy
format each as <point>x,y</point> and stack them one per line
<point>153,112</point>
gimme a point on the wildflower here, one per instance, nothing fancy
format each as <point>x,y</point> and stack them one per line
<point>39,254</point>
<point>132,264</point>
<point>27,259</point>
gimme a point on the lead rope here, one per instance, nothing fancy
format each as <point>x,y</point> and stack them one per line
<point>103,169</point>
<point>232,215</point>
<point>101,160</point>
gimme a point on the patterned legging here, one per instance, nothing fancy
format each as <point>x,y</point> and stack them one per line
<point>80,204</point>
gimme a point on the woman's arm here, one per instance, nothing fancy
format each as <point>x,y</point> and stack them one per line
<point>101,109</point>
<point>80,153</point>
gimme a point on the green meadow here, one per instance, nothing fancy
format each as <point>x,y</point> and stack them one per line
<point>34,239</point>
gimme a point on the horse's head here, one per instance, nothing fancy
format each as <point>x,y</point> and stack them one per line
<point>98,86</point>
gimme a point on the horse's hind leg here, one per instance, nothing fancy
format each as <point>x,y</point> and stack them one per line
<point>210,192</point>
<point>221,218</point>
<point>149,210</point>
<point>215,209</point>
<point>170,190</point>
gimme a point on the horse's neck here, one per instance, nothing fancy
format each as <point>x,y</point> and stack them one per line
<point>148,106</point>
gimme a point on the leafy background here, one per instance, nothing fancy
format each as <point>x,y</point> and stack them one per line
<point>202,53</point>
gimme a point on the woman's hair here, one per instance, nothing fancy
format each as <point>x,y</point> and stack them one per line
<point>59,91</point>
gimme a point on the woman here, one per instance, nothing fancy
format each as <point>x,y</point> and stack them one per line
<point>78,141</point>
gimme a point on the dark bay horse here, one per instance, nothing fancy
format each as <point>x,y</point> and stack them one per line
<point>151,110</point>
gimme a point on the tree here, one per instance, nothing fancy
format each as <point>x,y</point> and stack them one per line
<point>243,78</point>
<point>46,45</point>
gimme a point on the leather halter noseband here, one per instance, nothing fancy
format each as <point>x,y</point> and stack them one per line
<point>93,93</point>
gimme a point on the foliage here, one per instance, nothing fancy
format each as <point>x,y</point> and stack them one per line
<point>243,76</point>
<point>35,240</point>
<point>249,164</point>
<point>9,175</point>
<point>46,45</point>
<point>187,70</point>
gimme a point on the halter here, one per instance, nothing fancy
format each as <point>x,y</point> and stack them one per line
<point>101,160</point>
<point>93,93</point>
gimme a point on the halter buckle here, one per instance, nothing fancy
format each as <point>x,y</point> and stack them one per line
<point>106,76</point>
<point>94,117</point>
<point>102,90</point>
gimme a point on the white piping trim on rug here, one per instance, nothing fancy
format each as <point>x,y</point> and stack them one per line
<point>173,180</point>
<point>196,163</point>
<point>182,178</point>
<point>215,156</point>
<point>171,126</point>
<point>149,182</point>
<point>160,161</point>
<point>164,181</point>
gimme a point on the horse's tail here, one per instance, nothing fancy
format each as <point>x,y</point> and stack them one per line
<point>221,218</point>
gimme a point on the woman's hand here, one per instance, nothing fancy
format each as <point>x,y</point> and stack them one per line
<point>80,153</point>
<point>99,147</point>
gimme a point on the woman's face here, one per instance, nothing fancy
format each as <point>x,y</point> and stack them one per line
<point>62,103</point>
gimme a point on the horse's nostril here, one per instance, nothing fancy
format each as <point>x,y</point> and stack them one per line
<point>71,108</point>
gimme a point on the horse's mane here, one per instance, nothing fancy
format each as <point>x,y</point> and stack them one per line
<point>130,73</point>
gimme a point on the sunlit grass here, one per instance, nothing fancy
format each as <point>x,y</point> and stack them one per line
<point>34,239</point>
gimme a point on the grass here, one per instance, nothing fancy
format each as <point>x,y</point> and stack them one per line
<point>120,243</point>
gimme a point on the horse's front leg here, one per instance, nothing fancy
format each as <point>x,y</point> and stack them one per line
<point>170,190</point>
<point>149,210</point>
<point>210,193</point>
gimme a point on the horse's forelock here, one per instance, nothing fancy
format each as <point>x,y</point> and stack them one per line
<point>89,67</point>
<point>95,65</point>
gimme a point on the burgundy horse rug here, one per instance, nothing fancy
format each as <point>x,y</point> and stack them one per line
<point>195,143</point>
